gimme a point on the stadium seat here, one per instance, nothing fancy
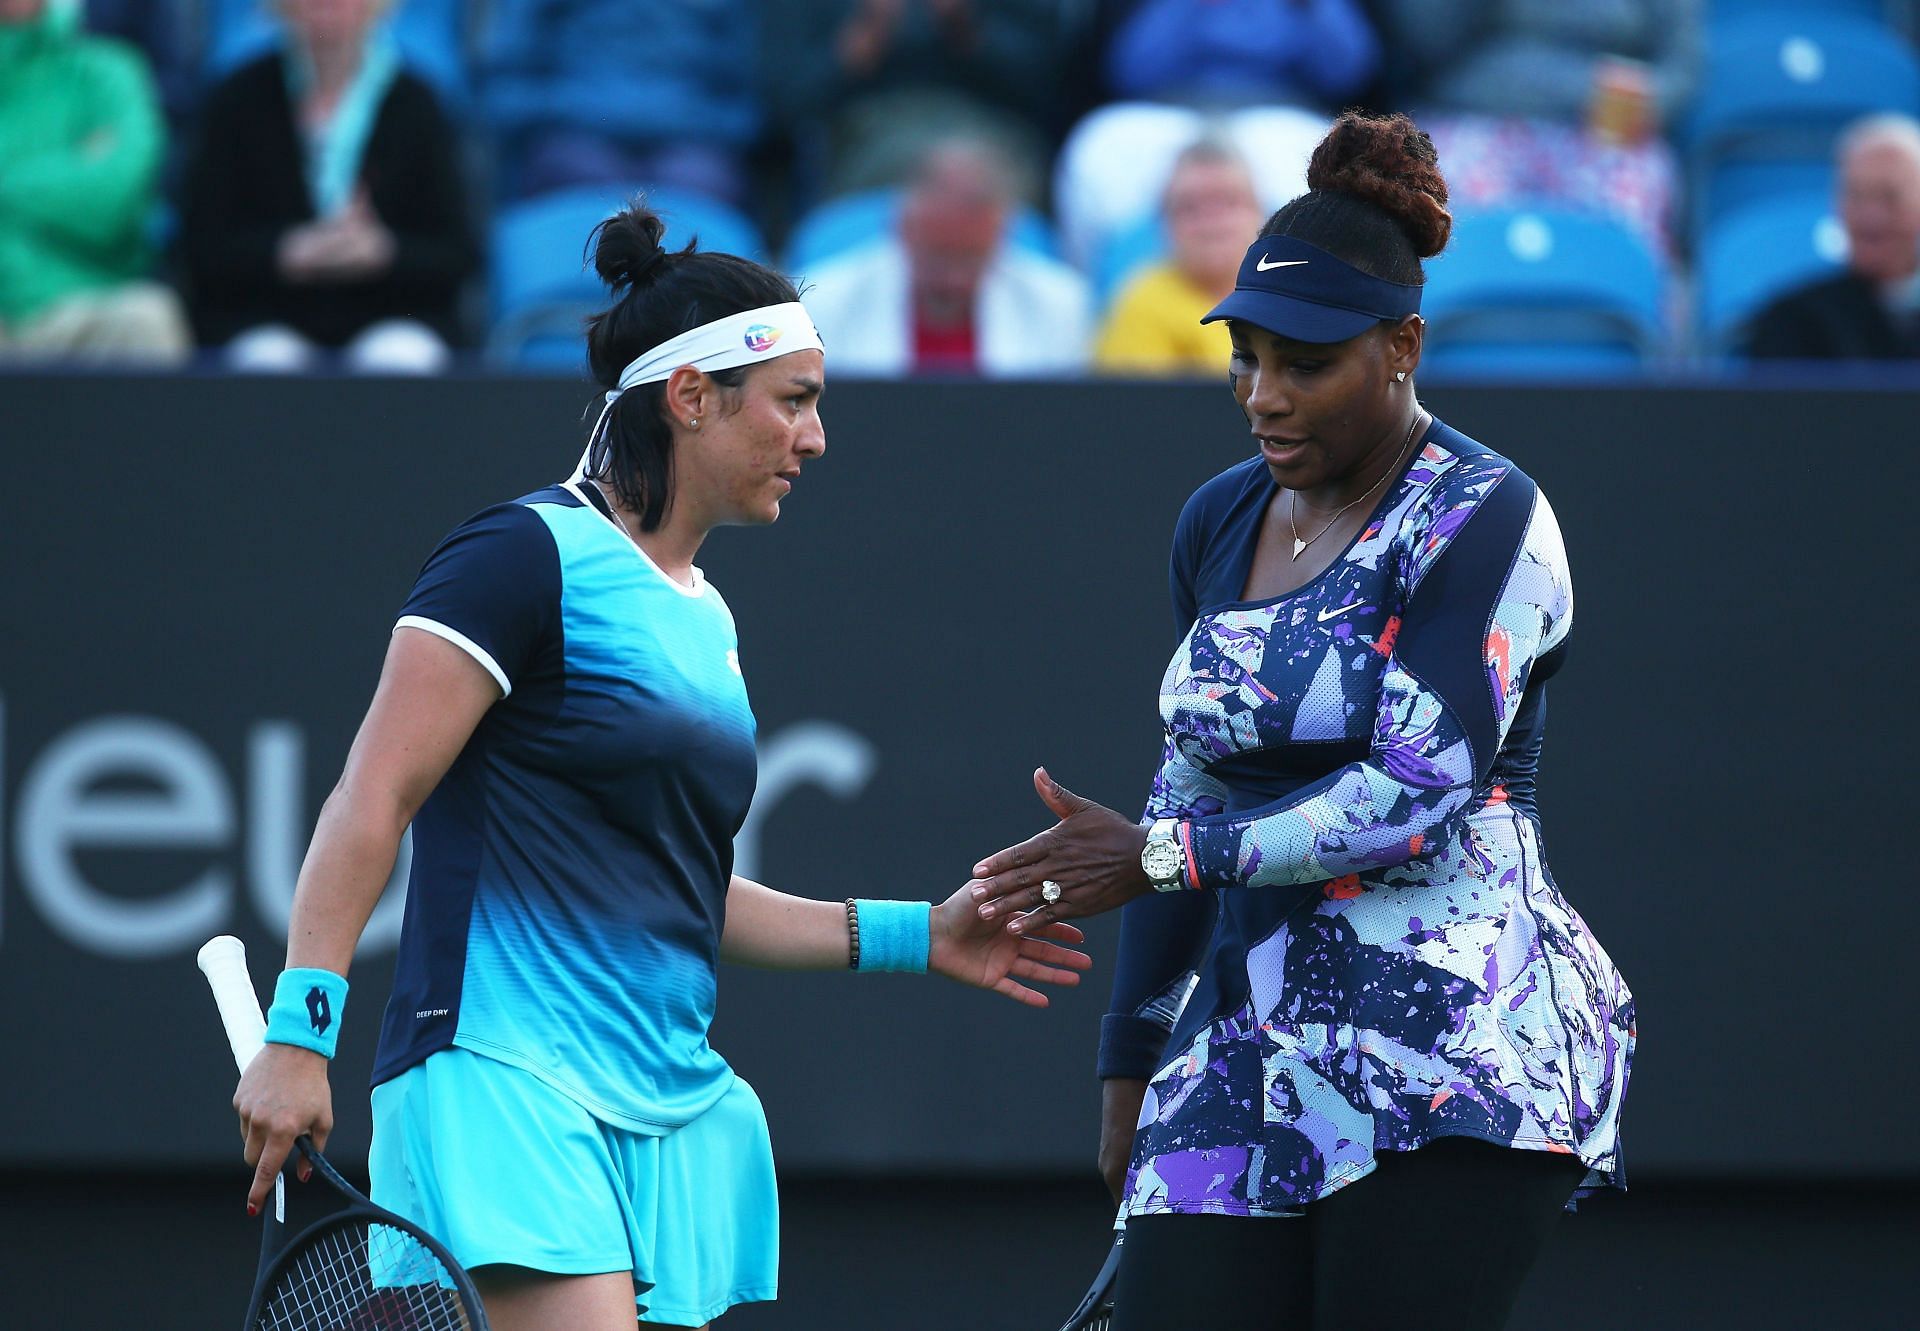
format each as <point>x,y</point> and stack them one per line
<point>852,220</point>
<point>1113,167</point>
<point>1779,86</point>
<point>1543,292</point>
<point>543,280</point>
<point>1730,11</point>
<point>432,35</point>
<point>1740,184</point>
<point>1125,253</point>
<point>1751,257</point>
<point>1545,360</point>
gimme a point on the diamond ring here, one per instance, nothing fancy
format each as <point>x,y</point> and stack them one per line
<point>1049,891</point>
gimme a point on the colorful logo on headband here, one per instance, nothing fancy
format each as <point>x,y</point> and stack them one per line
<point>761,336</point>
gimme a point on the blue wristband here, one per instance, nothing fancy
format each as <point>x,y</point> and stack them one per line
<point>895,935</point>
<point>307,1004</point>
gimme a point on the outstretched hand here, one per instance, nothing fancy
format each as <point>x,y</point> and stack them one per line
<point>973,949</point>
<point>1093,854</point>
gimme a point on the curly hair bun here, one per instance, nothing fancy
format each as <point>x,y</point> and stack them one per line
<point>1388,161</point>
<point>626,246</point>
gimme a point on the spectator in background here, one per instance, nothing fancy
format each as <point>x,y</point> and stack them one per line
<point>947,294</point>
<point>80,142</point>
<point>1258,74</point>
<point>623,92</point>
<point>1551,101</point>
<point>1315,53</point>
<point>1871,311</point>
<point>324,208</point>
<point>865,87</point>
<point>1211,215</point>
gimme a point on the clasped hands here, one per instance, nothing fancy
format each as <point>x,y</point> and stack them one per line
<point>1093,853</point>
<point>353,245</point>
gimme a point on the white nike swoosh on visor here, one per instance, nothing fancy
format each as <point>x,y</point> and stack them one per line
<point>1263,265</point>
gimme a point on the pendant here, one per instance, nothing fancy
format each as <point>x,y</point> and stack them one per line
<point>1298,546</point>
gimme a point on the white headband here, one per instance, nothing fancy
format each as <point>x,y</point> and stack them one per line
<point>746,338</point>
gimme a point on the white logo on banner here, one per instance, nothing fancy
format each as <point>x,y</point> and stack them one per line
<point>143,784</point>
<point>806,753</point>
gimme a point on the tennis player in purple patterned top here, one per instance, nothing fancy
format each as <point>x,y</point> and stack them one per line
<point>1362,1050</point>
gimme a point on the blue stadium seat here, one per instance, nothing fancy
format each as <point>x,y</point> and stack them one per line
<point>432,35</point>
<point>852,220</point>
<point>1779,86</point>
<point>1543,292</point>
<point>1739,184</point>
<point>1546,360</point>
<point>1729,11</point>
<point>838,225</point>
<point>1765,250</point>
<point>1125,253</point>
<point>542,275</point>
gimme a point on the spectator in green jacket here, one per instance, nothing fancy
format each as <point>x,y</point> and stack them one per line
<point>80,144</point>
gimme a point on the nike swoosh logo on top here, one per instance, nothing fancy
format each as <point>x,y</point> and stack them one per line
<point>1263,265</point>
<point>1325,615</point>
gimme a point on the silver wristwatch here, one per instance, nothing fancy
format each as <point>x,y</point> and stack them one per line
<point>1163,858</point>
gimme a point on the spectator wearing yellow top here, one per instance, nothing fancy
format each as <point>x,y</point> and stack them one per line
<point>1211,214</point>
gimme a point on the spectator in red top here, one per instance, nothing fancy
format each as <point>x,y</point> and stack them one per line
<point>948,292</point>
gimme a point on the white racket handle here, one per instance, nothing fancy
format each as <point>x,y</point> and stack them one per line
<point>223,961</point>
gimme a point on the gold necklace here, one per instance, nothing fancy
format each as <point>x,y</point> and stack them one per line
<point>1293,496</point>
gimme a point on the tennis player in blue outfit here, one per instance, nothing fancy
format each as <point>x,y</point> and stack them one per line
<point>563,719</point>
<point>1362,1051</point>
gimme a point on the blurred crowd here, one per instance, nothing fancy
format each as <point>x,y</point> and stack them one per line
<point>993,187</point>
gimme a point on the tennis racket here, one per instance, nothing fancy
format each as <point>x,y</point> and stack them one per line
<point>359,1268</point>
<point>1095,1312</point>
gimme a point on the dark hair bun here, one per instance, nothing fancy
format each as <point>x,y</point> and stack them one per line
<point>626,247</point>
<point>1389,161</point>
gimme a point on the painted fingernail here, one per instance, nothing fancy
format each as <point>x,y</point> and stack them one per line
<point>979,869</point>
<point>979,892</point>
<point>986,911</point>
<point>252,1209</point>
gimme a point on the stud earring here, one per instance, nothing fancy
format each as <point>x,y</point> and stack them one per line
<point>694,421</point>
<point>1400,376</point>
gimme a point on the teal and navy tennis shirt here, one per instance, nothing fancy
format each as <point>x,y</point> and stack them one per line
<point>570,870</point>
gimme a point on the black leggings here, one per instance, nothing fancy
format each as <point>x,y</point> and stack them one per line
<point>1441,1236</point>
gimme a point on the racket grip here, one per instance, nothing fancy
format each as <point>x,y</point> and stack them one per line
<point>223,961</point>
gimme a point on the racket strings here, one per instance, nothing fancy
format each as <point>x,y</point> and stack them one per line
<point>362,1277</point>
<point>1100,1319</point>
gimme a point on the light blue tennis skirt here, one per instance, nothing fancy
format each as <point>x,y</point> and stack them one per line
<point>502,1168</point>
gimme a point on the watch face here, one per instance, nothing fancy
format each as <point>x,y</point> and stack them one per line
<point>1161,860</point>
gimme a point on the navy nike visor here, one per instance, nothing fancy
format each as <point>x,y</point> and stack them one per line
<point>1297,290</point>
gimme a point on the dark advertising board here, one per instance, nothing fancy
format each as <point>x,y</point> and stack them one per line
<point>200,577</point>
